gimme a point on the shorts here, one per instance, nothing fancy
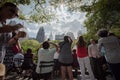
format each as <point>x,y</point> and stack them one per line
<point>65,64</point>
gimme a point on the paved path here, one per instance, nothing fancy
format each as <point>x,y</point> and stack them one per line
<point>13,75</point>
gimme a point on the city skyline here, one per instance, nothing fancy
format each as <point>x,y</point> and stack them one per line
<point>67,22</point>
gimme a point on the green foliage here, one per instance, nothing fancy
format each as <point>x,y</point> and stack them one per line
<point>102,14</point>
<point>33,44</point>
<point>116,31</point>
<point>16,1</point>
<point>42,18</point>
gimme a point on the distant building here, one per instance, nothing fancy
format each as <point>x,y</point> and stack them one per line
<point>59,37</point>
<point>41,35</point>
<point>51,36</point>
<point>71,35</point>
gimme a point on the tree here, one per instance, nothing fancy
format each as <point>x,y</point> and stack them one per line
<point>31,43</point>
<point>102,14</point>
<point>41,11</point>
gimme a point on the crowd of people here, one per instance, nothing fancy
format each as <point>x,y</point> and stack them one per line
<point>82,56</point>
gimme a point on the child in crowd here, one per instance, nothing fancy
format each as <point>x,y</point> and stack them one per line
<point>75,64</point>
<point>18,60</point>
<point>56,64</point>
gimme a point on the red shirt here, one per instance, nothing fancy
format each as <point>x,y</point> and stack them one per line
<point>82,52</point>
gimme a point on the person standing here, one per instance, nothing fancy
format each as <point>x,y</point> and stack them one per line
<point>28,63</point>
<point>83,58</point>
<point>95,58</point>
<point>75,64</point>
<point>45,54</point>
<point>56,64</point>
<point>65,57</point>
<point>112,47</point>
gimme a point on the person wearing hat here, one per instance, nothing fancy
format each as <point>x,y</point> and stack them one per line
<point>2,71</point>
<point>8,10</point>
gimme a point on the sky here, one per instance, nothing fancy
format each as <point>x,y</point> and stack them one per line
<point>66,22</point>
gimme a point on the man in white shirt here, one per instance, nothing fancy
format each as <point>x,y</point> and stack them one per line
<point>95,58</point>
<point>45,54</point>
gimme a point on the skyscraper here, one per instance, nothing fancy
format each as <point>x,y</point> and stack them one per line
<point>41,35</point>
<point>51,36</point>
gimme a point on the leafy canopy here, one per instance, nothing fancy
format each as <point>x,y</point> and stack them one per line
<point>99,13</point>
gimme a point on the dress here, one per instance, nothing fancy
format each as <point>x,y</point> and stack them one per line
<point>6,53</point>
<point>65,55</point>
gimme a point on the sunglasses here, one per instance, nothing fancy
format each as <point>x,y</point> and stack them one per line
<point>14,12</point>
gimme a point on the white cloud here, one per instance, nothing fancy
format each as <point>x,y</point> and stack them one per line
<point>65,22</point>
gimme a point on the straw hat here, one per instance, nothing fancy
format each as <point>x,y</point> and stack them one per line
<point>2,69</point>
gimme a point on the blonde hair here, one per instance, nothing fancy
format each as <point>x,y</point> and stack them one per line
<point>22,34</point>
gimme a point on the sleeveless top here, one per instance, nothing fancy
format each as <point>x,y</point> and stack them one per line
<point>82,52</point>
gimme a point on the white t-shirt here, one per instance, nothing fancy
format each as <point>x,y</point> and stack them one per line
<point>93,51</point>
<point>56,55</point>
<point>45,55</point>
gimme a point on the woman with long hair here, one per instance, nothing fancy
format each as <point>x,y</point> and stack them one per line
<point>83,58</point>
<point>8,10</point>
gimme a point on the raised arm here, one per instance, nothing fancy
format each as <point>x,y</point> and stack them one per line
<point>70,40</point>
<point>15,39</point>
<point>57,48</point>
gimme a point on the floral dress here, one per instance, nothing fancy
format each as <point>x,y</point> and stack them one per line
<point>6,53</point>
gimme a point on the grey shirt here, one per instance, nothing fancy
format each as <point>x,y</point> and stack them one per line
<point>65,55</point>
<point>112,47</point>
